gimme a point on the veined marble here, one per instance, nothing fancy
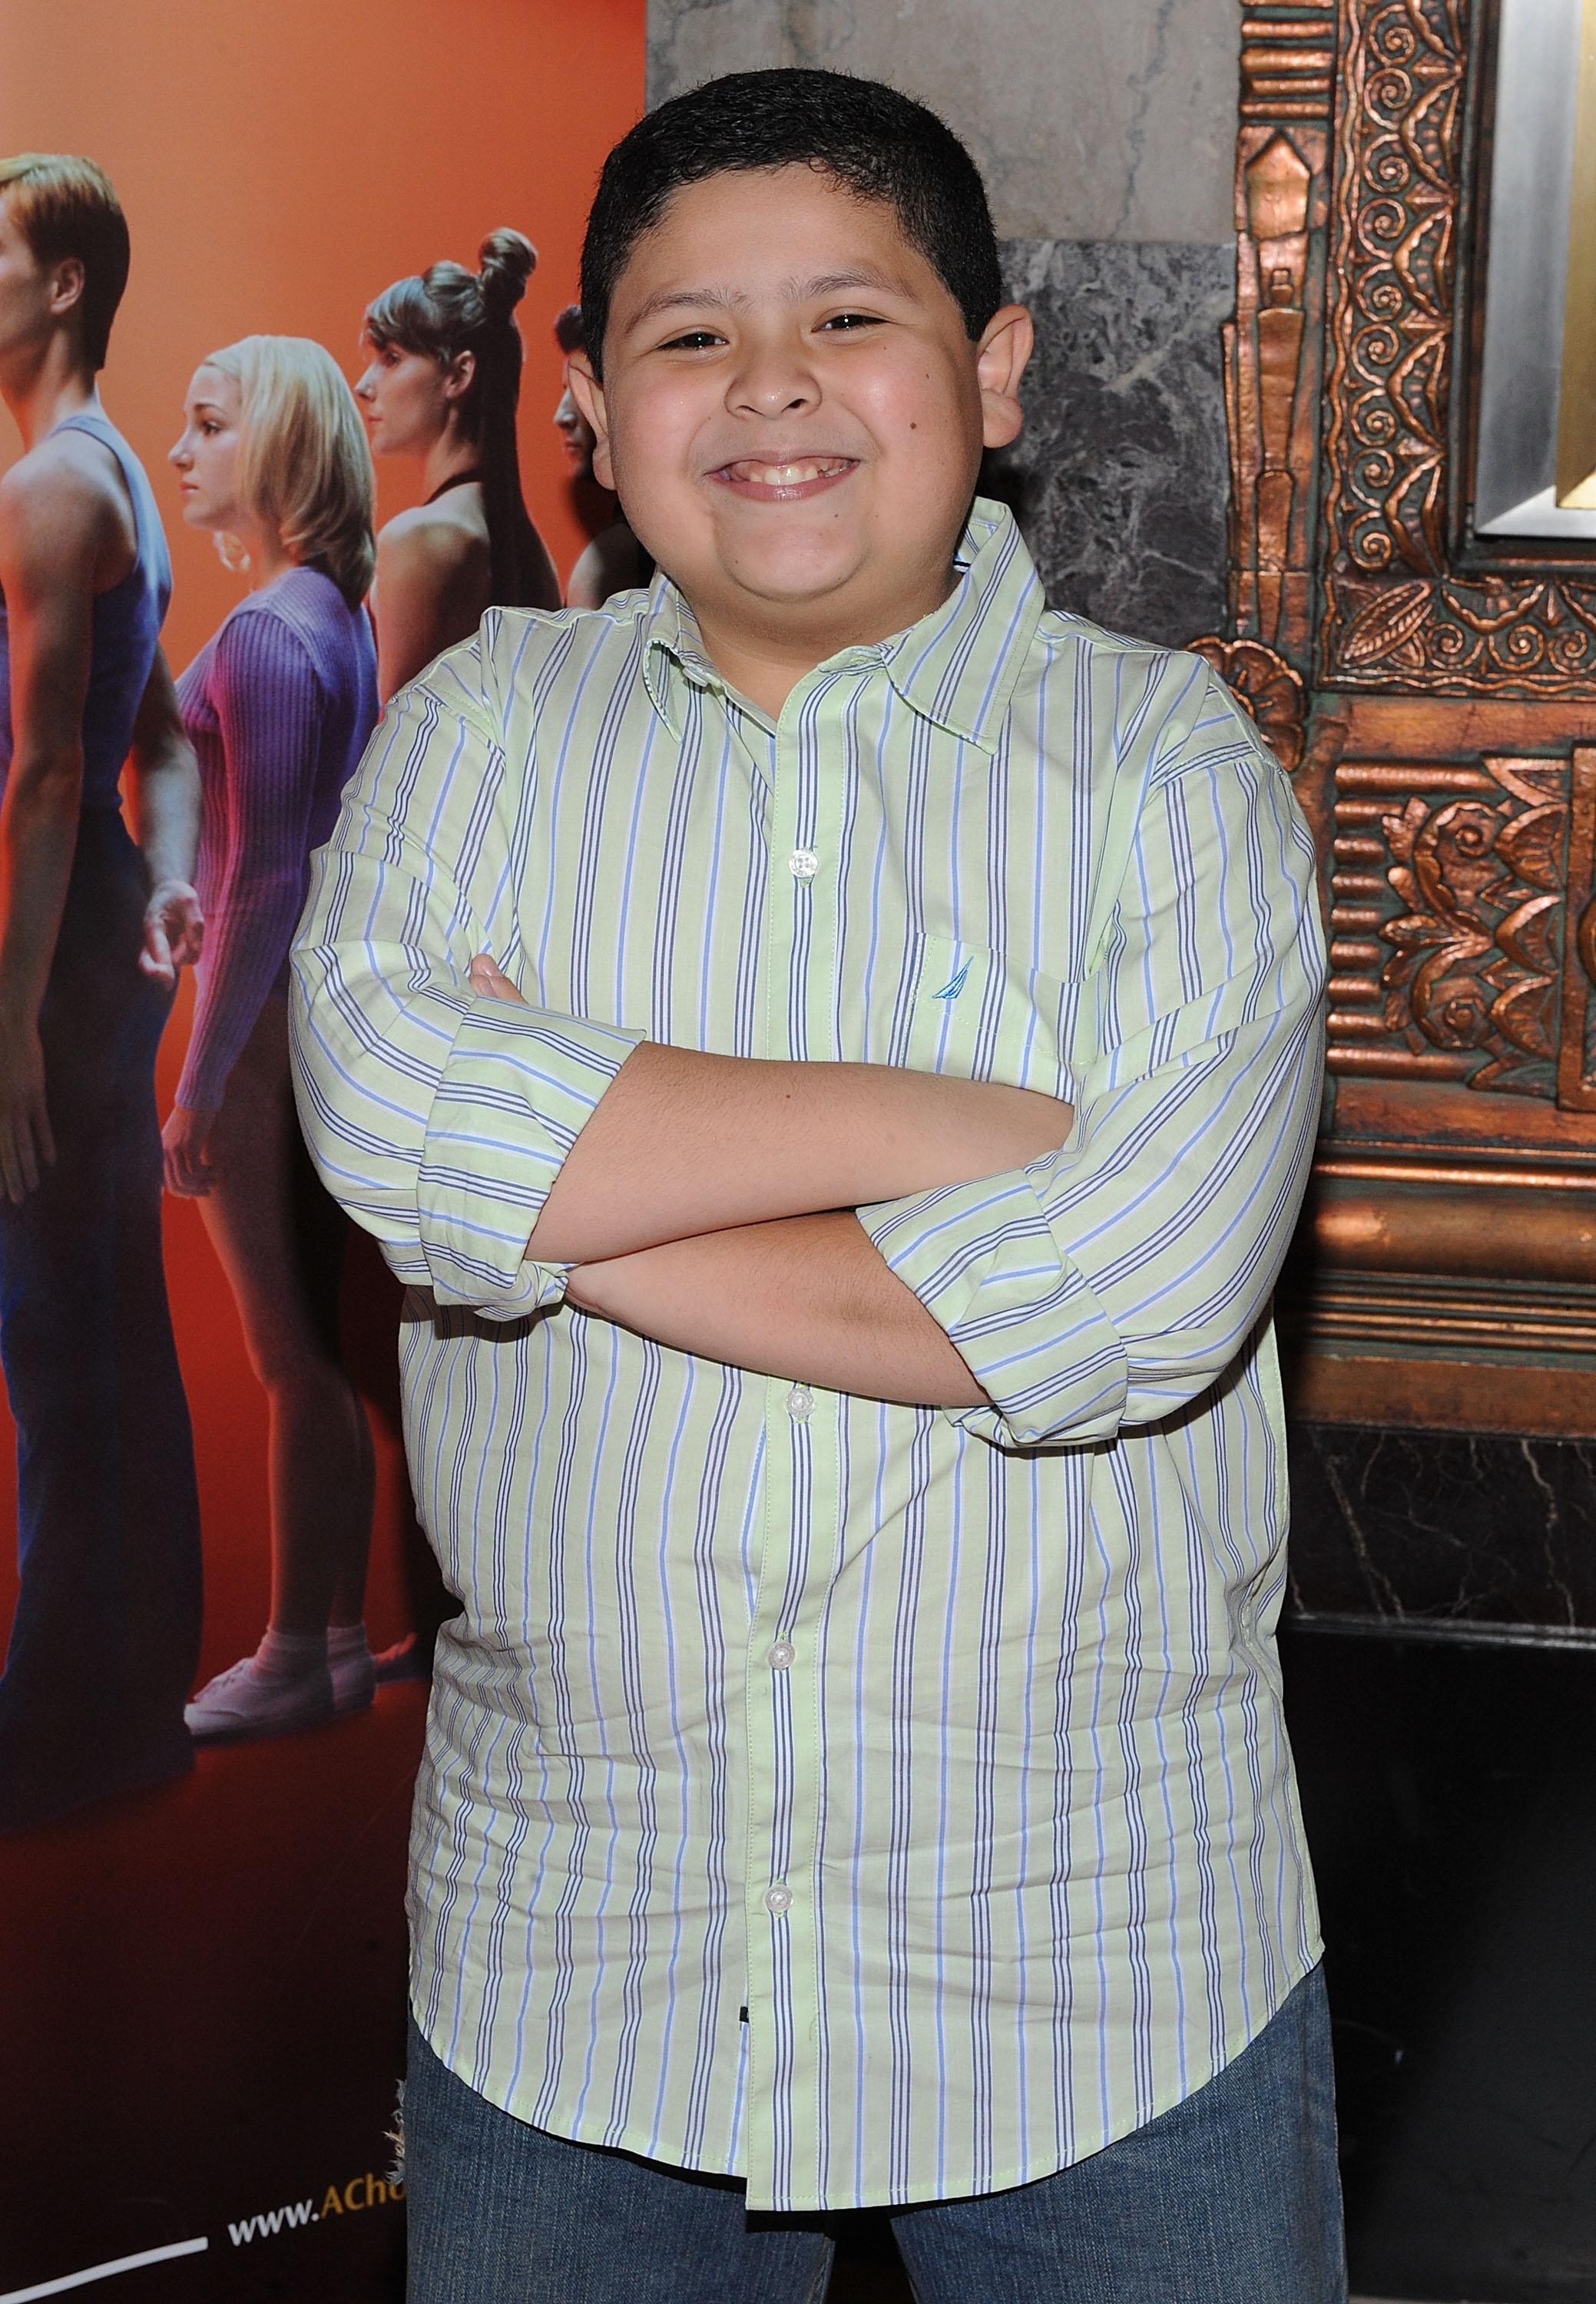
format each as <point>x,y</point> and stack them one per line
<point>1437,1529</point>
<point>1121,476</point>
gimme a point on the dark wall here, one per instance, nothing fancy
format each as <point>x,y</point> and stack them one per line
<point>1441,1665</point>
<point>1449,1792</point>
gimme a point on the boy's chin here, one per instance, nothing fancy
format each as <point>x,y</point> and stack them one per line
<point>792,579</point>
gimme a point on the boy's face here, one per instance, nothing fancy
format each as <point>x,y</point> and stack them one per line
<point>793,413</point>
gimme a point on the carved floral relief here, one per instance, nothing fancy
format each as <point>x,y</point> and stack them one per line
<point>1449,915</point>
<point>1268,689</point>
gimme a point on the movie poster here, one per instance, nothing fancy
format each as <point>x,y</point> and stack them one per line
<point>202,2021</point>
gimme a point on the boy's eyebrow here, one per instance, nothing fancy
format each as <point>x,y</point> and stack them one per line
<point>823,283</point>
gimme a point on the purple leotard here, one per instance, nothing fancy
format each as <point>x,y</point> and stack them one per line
<point>278,705</point>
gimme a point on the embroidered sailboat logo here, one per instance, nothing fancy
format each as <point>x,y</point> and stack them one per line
<point>955,985</point>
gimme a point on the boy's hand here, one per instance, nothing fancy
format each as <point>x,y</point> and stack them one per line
<point>487,979</point>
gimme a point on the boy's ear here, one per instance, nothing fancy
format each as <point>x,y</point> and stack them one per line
<point>589,396</point>
<point>1000,359</point>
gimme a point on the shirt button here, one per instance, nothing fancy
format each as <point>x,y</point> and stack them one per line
<point>780,1654</point>
<point>801,1403</point>
<point>803,863</point>
<point>780,1898</point>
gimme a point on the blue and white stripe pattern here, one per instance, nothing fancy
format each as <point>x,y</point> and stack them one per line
<point>947,1745</point>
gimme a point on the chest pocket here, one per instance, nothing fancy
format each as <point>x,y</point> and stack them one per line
<point>980,1015</point>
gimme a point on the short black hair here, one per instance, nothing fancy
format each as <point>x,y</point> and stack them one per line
<point>877,144</point>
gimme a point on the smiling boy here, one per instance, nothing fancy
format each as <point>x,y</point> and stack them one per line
<point>833,1049</point>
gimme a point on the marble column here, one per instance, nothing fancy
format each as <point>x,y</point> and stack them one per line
<point>1120,479</point>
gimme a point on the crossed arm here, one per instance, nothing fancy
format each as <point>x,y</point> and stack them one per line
<point>709,1204</point>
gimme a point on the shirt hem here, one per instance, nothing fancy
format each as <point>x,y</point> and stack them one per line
<point>799,2202</point>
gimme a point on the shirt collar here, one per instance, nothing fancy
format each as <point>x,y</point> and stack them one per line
<point>957,668</point>
<point>672,645</point>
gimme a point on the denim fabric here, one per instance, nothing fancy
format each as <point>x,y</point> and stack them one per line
<point>107,1630</point>
<point>1231,2198</point>
<point>502,2213</point>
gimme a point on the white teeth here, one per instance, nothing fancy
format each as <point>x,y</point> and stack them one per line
<point>790,476</point>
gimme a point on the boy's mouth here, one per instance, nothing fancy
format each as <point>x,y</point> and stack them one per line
<point>784,479</point>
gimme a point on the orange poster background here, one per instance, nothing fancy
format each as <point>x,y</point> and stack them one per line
<point>279,165</point>
<point>202,2017</point>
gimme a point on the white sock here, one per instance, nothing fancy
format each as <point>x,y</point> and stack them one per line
<point>291,1655</point>
<point>346,1641</point>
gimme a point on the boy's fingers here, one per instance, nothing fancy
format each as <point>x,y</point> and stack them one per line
<point>485,975</point>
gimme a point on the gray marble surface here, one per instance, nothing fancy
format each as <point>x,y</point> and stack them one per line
<point>1121,476</point>
<point>1090,120</point>
<point>1440,1529</point>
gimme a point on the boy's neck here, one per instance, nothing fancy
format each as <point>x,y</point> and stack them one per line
<point>765,665</point>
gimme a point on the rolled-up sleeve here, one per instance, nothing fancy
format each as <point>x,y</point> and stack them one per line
<point>438,1118</point>
<point>1116,1280</point>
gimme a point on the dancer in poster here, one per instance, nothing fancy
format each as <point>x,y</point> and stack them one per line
<point>613,561</point>
<point>273,459</point>
<point>442,385</point>
<point>106,1629</point>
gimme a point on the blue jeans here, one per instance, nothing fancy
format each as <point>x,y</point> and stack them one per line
<point>1231,2198</point>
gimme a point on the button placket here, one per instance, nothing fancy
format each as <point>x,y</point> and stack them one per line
<point>807,798</point>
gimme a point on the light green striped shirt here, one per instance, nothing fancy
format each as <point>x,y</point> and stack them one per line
<point>883,1804</point>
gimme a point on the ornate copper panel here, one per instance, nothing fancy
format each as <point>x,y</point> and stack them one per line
<point>1438,718</point>
<point>1447,919</point>
<point>1396,615</point>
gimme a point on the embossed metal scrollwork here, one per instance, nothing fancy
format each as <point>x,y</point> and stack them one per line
<point>1395,615</point>
<point>1469,962</point>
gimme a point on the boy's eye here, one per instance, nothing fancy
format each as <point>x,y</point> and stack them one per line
<point>849,323</point>
<point>693,340</point>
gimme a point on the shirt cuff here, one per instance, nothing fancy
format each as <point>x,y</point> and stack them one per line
<point>983,1260</point>
<point>518,1087</point>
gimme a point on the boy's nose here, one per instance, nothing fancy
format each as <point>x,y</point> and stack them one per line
<point>774,383</point>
